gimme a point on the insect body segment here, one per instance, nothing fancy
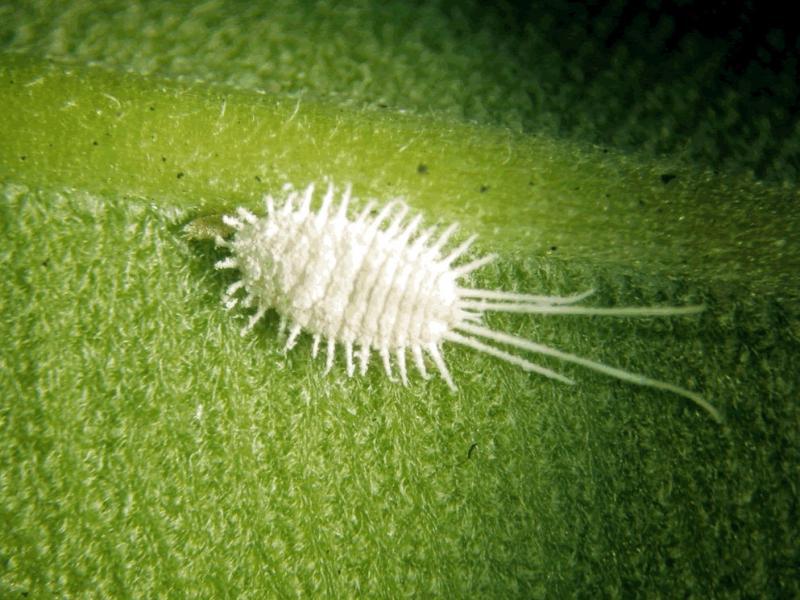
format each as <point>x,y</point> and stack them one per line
<point>376,283</point>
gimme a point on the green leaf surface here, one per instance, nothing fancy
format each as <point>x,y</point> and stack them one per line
<point>148,450</point>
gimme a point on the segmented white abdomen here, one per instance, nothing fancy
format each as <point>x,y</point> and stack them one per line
<point>367,285</point>
<point>351,282</point>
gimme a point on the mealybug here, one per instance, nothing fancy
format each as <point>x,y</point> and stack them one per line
<point>369,286</point>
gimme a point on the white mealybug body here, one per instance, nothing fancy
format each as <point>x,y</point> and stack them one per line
<point>375,283</point>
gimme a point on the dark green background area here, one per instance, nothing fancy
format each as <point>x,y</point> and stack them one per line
<point>147,450</point>
<point>714,83</point>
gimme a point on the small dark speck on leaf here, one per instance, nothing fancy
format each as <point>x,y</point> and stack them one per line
<point>553,248</point>
<point>163,159</point>
<point>95,143</point>
<point>484,189</point>
<point>23,157</point>
<point>422,169</point>
<point>46,262</point>
<point>258,179</point>
<point>667,177</point>
<point>471,450</point>
<point>152,108</point>
<point>180,175</point>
